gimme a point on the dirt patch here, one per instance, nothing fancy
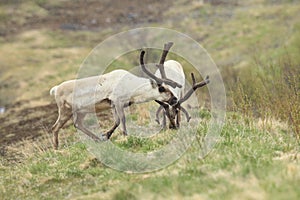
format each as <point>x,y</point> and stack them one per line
<point>25,123</point>
<point>22,122</point>
<point>84,15</point>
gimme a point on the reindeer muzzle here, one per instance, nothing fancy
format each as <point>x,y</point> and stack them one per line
<point>172,101</point>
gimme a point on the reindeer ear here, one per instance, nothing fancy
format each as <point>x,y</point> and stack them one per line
<point>153,83</point>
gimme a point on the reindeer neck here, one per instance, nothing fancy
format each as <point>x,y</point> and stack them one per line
<point>145,92</point>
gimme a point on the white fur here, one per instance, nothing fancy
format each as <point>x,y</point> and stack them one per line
<point>53,91</point>
<point>119,86</point>
<point>115,89</point>
<point>174,71</point>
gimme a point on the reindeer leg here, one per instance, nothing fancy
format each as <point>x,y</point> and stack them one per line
<point>117,123</point>
<point>60,122</point>
<point>178,118</point>
<point>121,114</point>
<point>157,113</point>
<point>79,117</point>
<point>164,121</point>
<point>167,113</point>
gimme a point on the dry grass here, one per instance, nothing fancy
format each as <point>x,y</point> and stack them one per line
<point>257,156</point>
<point>273,93</point>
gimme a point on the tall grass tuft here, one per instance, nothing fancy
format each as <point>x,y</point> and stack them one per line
<point>270,91</point>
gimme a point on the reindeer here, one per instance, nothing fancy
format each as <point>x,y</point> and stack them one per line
<point>174,71</point>
<point>115,90</point>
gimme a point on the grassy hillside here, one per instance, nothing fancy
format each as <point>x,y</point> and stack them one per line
<point>255,44</point>
<point>247,163</point>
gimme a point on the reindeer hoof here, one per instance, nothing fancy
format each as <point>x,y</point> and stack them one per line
<point>55,146</point>
<point>104,137</point>
<point>173,127</point>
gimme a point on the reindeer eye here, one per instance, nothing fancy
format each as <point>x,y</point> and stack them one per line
<point>161,89</point>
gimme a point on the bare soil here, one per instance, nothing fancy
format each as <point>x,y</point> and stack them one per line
<point>27,123</point>
<point>89,15</point>
<point>22,122</point>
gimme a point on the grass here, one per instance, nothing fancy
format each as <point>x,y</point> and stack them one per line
<point>256,45</point>
<point>48,58</point>
<point>247,163</point>
<point>280,82</point>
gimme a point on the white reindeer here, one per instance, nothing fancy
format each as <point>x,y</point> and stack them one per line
<point>174,71</point>
<point>114,90</point>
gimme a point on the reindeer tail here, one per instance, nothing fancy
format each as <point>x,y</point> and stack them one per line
<point>53,90</point>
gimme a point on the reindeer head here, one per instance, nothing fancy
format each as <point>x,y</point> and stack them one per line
<point>172,106</point>
<point>166,94</point>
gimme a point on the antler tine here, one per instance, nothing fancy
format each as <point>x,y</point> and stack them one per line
<point>193,79</point>
<point>194,87</point>
<point>167,47</point>
<point>159,81</point>
<point>160,66</point>
<point>187,115</point>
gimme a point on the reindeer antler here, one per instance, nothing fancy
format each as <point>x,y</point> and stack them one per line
<point>158,80</point>
<point>194,87</point>
<point>151,75</point>
<point>187,115</point>
<point>189,94</point>
<point>160,66</point>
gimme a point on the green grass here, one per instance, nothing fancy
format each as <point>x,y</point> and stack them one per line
<point>248,163</point>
